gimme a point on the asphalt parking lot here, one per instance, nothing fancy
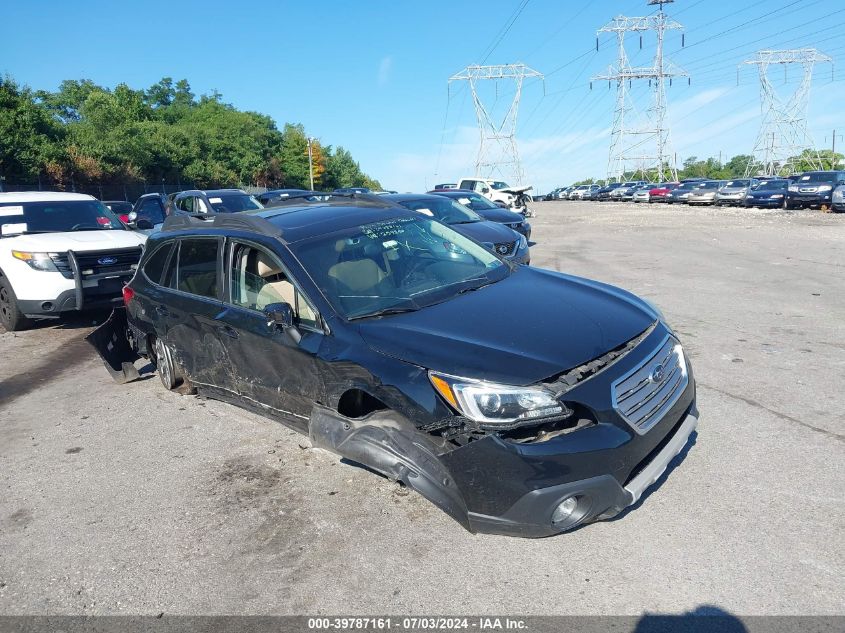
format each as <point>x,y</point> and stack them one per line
<point>129,499</point>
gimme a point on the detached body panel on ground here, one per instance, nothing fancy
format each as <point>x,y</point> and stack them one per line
<point>389,338</point>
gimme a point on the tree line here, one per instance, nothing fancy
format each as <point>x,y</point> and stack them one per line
<point>714,169</point>
<point>84,134</point>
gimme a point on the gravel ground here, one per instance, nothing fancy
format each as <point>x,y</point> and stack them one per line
<point>132,500</point>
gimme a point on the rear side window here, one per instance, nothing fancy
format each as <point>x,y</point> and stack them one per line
<point>196,271</point>
<point>154,268</point>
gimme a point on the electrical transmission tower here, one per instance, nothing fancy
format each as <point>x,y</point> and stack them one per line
<point>783,136</point>
<point>497,150</point>
<point>645,146</point>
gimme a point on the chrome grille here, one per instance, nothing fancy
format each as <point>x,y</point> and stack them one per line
<point>505,248</point>
<point>646,393</point>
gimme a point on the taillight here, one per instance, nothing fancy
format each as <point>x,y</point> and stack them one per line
<point>128,293</point>
<point>124,217</point>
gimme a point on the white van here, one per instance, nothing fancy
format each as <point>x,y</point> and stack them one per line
<point>61,252</point>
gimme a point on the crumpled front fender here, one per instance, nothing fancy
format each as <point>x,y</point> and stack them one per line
<point>389,444</point>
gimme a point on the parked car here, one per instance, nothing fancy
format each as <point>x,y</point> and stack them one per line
<point>61,252</point>
<point>837,200</point>
<point>734,191</point>
<point>496,237</point>
<point>268,197</point>
<point>704,193</point>
<point>215,201</point>
<point>553,194</point>
<point>626,190</point>
<point>603,194</point>
<point>641,193</point>
<point>520,401</point>
<point>120,208</point>
<point>445,185</point>
<point>583,192</point>
<point>515,198</point>
<point>660,192</point>
<point>488,210</point>
<point>149,211</point>
<point>352,190</point>
<point>681,193</point>
<point>814,189</point>
<point>767,193</point>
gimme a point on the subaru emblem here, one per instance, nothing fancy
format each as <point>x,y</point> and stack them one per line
<point>658,373</point>
<point>107,261</point>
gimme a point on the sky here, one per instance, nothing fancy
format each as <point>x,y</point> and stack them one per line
<point>373,75</point>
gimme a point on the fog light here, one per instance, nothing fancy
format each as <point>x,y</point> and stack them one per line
<point>564,510</point>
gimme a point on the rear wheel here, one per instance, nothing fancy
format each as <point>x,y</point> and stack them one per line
<point>164,364</point>
<point>11,317</point>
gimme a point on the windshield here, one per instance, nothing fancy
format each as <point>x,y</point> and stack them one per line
<point>475,201</point>
<point>708,185</point>
<point>443,209</point>
<point>119,207</point>
<point>821,176</point>
<point>58,217</point>
<point>498,184</point>
<point>396,265</point>
<point>771,184</point>
<point>738,183</point>
<point>233,202</point>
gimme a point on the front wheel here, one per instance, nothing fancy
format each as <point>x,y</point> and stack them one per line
<point>11,316</point>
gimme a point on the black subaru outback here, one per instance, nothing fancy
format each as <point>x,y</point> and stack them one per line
<point>520,401</point>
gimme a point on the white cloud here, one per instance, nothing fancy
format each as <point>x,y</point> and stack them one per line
<point>384,67</point>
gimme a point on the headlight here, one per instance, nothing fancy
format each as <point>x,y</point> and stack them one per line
<point>825,188</point>
<point>775,196</point>
<point>523,243</point>
<point>36,261</point>
<point>498,406</point>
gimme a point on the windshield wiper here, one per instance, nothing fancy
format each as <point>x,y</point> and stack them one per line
<point>384,312</point>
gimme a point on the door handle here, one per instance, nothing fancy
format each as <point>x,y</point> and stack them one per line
<point>229,331</point>
<point>162,310</point>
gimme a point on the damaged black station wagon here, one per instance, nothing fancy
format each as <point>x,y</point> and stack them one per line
<point>520,401</point>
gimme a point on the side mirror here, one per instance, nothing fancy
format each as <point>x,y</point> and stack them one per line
<point>485,190</point>
<point>280,315</point>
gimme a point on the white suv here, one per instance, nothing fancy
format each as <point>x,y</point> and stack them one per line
<point>514,198</point>
<point>61,252</point>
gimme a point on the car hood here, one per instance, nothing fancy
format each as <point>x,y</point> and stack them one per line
<point>517,190</point>
<point>528,327</point>
<point>486,232</point>
<point>79,241</point>
<point>500,215</point>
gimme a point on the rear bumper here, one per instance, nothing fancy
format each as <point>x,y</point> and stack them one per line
<point>601,497</point>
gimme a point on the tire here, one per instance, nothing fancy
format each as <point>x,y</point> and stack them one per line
<point>11,317</point>
<point>165,365</point>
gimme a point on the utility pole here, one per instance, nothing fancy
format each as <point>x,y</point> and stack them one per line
<point>497,150</point>
<point>632,142</point>
<point>784,118</point>
<point>311,163</point>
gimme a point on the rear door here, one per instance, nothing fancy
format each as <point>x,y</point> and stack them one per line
<point>273,372</point>
<point>189,308</point>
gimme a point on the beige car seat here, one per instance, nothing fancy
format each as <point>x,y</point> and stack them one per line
<point>356,275</point>
<point>276,287</point>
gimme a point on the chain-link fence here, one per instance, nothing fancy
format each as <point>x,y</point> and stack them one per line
<point>124,191</point>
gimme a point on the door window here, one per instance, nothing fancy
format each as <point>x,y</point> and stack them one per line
<point>258,280</point>
<point>197,268</point>
<point>186,204</point>
<point>201,206</point>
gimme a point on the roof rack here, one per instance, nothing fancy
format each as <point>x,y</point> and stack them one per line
<point>237,221</point>
<point>325,198</point>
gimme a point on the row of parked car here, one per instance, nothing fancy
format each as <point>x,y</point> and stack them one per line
<point>62,252</point>
<point>813,189</point>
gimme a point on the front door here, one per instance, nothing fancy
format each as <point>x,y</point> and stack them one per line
<point>274,373</point>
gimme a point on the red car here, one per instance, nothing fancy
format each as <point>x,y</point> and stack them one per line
<point>660,192</point>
